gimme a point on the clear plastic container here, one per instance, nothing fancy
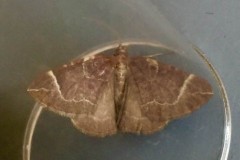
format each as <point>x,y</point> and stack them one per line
<point>205,134</point>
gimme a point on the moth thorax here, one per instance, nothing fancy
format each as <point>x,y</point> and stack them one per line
<point>120,78</point>
<point>121,69</point>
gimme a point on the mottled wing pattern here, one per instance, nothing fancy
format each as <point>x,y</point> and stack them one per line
<point>158,93</point>
<point>81,90</point>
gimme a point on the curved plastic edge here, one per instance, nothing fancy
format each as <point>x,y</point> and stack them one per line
<point>27,142</point>
<point>228,121</point>
<point>127,42</point>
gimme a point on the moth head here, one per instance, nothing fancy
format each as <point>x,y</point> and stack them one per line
<point>120,50</point>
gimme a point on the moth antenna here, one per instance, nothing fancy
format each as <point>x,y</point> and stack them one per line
<point>154,55</point>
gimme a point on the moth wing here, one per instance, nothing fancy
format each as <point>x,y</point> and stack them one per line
<point>81,90</point>
<point>158,93</point>
<point>102,122</point>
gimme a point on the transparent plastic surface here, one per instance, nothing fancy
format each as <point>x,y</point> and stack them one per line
<point>202,135</point>
<point>205,134</point>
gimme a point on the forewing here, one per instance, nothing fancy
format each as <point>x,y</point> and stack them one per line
<point>134,120</point>
<point>78,90</point>
<point>162,92</point>
<point>102,122</point>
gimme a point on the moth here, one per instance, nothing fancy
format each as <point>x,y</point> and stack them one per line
<point>103,94</point>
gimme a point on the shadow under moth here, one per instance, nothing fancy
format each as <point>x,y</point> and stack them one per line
<point>103,94</point>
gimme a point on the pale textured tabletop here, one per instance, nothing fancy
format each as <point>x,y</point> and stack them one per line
<point>212,25</point>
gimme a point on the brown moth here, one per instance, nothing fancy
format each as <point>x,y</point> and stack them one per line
<point>104,94</point>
